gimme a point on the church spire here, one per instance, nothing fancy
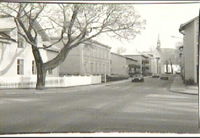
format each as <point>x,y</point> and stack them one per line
<point>158,43</point>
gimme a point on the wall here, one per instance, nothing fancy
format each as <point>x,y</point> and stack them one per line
<point>118,64</point>
<point>71,65</point>
<point>66,81</point>
<point>96,59</point>
<point>189,53</point>
<point>87,59</point>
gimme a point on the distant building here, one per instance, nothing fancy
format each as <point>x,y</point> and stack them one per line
<point>190,49</point>
<point>143,62</point>
<point>16,58</point>
<point>90,58</point>
<point>118,65</point>
<point>133,66</point>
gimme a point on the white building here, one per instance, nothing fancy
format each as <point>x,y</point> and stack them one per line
<point>17,63</point>
<point>190,49</point>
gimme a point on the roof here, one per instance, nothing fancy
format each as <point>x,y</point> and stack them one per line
<point>6,23</point>
<point>86,42</point>
<point>137,55</point>
<point>5,26</point>
<point>41,31</point>
<point>124,56</point>
<point>118,54</point>
<point>96,42</point>
<point>131,59</point>
<point>182,26</point>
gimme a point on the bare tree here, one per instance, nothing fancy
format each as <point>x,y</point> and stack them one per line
<point>72,24</point>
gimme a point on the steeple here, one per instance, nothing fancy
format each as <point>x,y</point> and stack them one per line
<point>158,43</point>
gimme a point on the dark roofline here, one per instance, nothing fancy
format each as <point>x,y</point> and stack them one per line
<point>117,54</point>
<point>182,26</point>
<point>131,59</point>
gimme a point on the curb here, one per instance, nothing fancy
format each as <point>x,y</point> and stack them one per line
<point>114,82</point>
<point>181,92</point>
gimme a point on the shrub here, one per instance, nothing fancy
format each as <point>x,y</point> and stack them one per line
<point>189,82</point>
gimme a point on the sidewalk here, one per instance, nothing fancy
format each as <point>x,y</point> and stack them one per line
<point>179,87</point>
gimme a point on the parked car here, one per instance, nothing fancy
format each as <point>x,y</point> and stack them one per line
<point>138,78</point>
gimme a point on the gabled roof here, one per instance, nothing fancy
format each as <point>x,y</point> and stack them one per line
<point>6,23</point>
<point>182,26</point>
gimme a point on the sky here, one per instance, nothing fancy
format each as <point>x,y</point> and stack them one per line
<point>161,19</point>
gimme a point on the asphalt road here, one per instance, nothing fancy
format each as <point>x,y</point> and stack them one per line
<point>113,107</point>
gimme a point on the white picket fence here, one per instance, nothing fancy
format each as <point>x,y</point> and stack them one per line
<point>66,81</point>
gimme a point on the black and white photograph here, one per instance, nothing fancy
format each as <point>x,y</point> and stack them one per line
<point>99,68</point>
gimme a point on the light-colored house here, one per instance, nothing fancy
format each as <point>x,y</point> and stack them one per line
<point>190,49</point>
<point>90,58</point>
<point>119,65</point>
<point>16,59</point>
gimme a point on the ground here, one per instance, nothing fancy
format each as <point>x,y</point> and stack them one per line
<point>123,106</point>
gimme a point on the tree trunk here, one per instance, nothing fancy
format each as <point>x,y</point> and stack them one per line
<point>41,70</point>
<point>41,77</point>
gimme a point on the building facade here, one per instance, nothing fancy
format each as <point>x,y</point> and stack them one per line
<point>90,58</point>
<point>190,49</point>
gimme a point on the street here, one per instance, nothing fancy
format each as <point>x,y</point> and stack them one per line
<point>123,106</point>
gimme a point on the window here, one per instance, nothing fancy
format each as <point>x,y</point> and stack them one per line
<point>20,41</point>
<point>34,71</point>
<point>20,66</point>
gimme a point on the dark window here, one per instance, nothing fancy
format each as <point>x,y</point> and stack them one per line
<point>20,66</point>
<point>34,70</point>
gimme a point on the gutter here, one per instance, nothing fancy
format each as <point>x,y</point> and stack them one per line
<point>181,29</point>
